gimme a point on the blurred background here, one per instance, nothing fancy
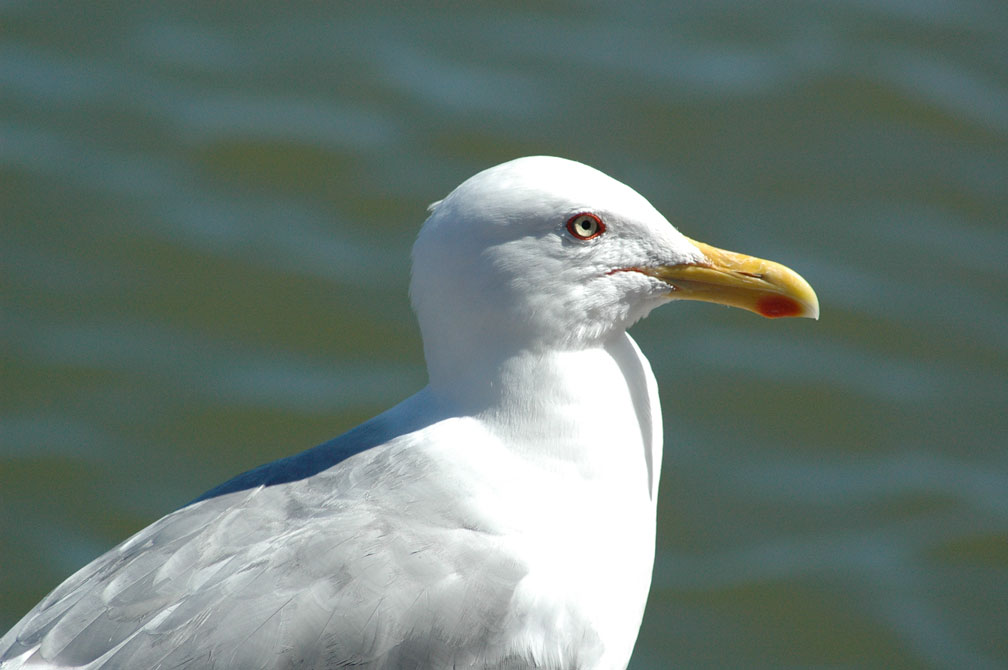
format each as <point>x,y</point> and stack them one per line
<point>206,212</point>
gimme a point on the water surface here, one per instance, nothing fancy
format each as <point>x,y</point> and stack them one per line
<point>205,220</point>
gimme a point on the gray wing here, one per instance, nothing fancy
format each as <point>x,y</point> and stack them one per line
<point>347,566</point>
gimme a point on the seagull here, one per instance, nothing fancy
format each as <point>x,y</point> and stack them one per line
<point>501,517</point>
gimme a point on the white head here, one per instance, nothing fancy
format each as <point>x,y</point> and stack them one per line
<point>547,253</point>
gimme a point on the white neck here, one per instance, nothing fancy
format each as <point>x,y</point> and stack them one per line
<point>596,408</point>
<point>586,428</point>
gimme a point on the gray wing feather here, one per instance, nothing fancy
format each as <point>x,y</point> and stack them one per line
<point>329,570</point>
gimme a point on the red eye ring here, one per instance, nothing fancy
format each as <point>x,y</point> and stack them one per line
<point>585,226</point>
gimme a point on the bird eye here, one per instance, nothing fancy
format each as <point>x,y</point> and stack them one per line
<point>585,226</point>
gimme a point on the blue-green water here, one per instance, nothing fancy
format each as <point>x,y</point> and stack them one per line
<point>206,211</point>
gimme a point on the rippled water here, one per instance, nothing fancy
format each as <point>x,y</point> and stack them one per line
<point>205,220</point>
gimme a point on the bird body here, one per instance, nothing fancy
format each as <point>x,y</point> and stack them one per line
<point>502,517</point>
<point>468,541</point>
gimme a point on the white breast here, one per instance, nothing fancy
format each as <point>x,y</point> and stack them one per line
<point>566,473</point>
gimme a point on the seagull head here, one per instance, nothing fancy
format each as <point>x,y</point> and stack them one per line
<point>544,252</point>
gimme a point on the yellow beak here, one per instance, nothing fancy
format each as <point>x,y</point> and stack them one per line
<point>729,278</point>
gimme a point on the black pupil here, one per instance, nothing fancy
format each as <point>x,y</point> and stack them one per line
<point>586,225</point>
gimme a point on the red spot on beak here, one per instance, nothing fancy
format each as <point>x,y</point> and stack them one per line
<point>776,306</point>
